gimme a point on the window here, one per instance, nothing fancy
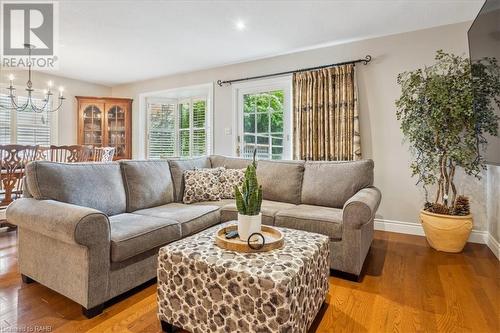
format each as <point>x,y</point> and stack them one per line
<point>26,127</point>
<point>265,125</point>
<point>177,128</point>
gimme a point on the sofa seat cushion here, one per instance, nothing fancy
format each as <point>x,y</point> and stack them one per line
<point>268,210</point>
<point>133,234</point>
<point>192,218</point>
<point>318,219</point>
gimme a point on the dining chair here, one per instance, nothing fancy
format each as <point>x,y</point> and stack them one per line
<point>13,159</point>
<point>70,153</point>
<point>104,154</point>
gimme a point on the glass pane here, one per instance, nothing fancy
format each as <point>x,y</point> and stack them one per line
<point>276,100</point>
<point>262,102</point>
<point>184,115</point>
<point>262,139</point>
<point>248,150</point>
<point>199,142</point>
<point>277,150</point>
<point>161,144</point>
<point>277,122</point>
<point>248,103</point>
<point>263,123</point>
<point>249,123</point>
<point>92,126</point>
<point>199,109</point>
<point>116,129</point>
<point>249,139</point>
<point>184,143</point>
<point>161,116</point>
<point>277,140</point>
<point>262,152</point>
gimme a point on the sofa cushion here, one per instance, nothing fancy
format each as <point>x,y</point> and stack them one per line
<point>228,179</point>
<point>331,184</point>
<point>133,234</point>
<point>268,210</point>
<point>280,180</point>
<point>192,218</point>
<point>147,184</point>
<point>202,185</point>
<point>229,162</point>
<point>321,220</point>
<point>177,168</point>
<point>93,185</point>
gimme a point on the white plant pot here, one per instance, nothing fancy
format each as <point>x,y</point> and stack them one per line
<point>248,224</point>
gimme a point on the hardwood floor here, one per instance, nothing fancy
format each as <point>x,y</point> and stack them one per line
<point>407,287</point>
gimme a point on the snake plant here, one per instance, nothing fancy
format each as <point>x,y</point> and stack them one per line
<point>249,198</point>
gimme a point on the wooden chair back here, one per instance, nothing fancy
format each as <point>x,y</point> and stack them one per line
<point>70,154</point>
<point>104,154</point>
<point>13,160</point>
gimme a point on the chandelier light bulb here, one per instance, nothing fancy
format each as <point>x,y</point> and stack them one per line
<point>11,77</point>
<point>45,91</point>
<point>50,84</point>
<point>61,90</point>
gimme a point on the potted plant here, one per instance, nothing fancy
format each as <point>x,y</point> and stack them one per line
<point>249,202</point>
<point>445,111</point>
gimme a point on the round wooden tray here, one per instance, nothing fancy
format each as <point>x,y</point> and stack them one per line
<point>274,240</point>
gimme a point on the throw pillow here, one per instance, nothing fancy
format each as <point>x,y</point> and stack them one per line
<point>229,178</point>
<point>201,185</point>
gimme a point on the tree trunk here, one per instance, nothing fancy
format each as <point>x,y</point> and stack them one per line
<point>453,187</point>
<point>444,172</point>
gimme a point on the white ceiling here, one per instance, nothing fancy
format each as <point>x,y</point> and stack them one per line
<point>115,42</point>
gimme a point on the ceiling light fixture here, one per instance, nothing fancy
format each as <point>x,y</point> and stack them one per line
<point>30,104</point>
<point>240,25</point>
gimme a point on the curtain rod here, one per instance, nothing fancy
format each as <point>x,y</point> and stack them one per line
<point>365,61</point>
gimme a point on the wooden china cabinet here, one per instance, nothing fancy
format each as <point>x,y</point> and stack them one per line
<point>106,122</point>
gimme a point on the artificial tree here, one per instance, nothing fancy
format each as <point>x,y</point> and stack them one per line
<point>445,111</point>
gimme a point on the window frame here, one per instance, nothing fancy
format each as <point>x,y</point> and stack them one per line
<point>177,130</point>
<point>54,118</point>
<point>283,83</point>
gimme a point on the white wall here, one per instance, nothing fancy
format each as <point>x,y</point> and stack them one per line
<point>67,117</point>
<point>381,136</point>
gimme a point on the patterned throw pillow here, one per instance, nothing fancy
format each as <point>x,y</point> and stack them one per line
<point>229,178</point>
<point>201,185</point>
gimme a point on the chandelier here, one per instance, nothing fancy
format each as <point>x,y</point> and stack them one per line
<point>30,104</point>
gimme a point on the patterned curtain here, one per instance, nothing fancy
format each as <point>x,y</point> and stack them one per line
<point>325,113</point>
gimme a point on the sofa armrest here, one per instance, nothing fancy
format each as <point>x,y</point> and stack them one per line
<point>361,207</point>
<point>65,222</point>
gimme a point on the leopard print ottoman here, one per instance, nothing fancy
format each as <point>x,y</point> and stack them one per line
<point>203,288</point>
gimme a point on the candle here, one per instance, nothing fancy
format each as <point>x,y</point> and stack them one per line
<point>61,90</point>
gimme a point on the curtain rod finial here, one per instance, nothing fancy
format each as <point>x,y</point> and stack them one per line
<point>219,83</point>
<point>368,58</point>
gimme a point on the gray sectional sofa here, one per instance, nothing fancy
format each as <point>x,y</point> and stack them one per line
<point>91,231</point>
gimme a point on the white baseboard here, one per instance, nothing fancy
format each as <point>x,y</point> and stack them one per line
<point>493,245</point>
<point>476,236</point>
<point>411,228</point>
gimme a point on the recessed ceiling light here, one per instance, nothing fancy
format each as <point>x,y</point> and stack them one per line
<point>240,25</point>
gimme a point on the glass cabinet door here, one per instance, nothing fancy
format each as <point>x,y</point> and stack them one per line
<point>116,129</point>
<point>92,126</point>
